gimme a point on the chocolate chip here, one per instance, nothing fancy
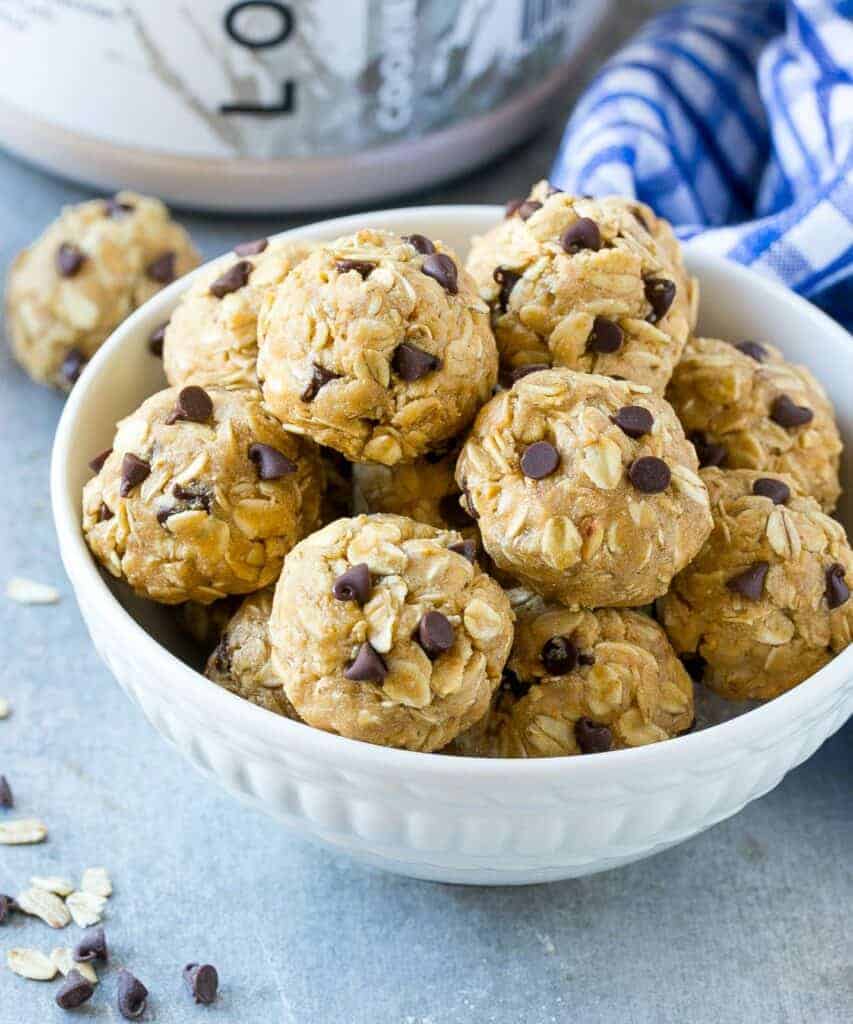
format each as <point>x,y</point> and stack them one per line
<point>788,414</point>
<point>319,379</point>
<point>105,513</point>
<point>539,460</point>
<point>435,634</point>
<point>412,363</point>
<point>420,243</point>
<point>162,270</point>
<point>440,267</point>
<point>69,259</point>
<point>750,582</point>
<point>586,659</point>
<point>92,945</point>
<point>466,548</point>
<point>97,463</point>
<point>605,336</point>
<point>512,206</point>
<point>694,665</point>
<point>753,350</point>
<point>7,905</point>
<point>583,234</point>
<point>116,209</point>
<point>353,585</point>
<point>363,267</point>
<point>74,991</point>
<point>523,371</point>
<point>270,462</point>
<point>72,365</point>
<point>660,294</point>
<point>709,453</point>
<point>133,471</point>
<point>131,996</point>
<point>528,208</point>
<point>156,338</point>
<point>367,667</point>
<point>837,591</point>
<point>252,248</point>
<point>559,655</point>
<point>634,420</point>
<point>194,405</point>
<point>649,474</point>
<point>777,491</point>
<point>592,737</point>
<point>202,981</point>
<point>198,498</point>
<point>514,685</point>
<point>234,278</point>
<point>507,279</point>
<point>6,798</point>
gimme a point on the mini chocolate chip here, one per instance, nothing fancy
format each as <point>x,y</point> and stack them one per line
<point>133,471</point>
<point>412,363</point>
<point>767,487</point>
<point>634,420</point>
<point>319,379</point>
<point>6,798</point>
<point>156,338</point>
<point>512,206</point>
<point>117,209</point>
<point>523,371</point>
<point>69,259</point>
<point>559,655</point>
<point>353,585</point>
<point>7,905</point>
<point>466,548</point>
<point>592,737</point>
<point>363,267</point>
<point>586,659</point>
<point>194,404</point>
<point>514,685</point>
<point>583,234</point>
<point>694,665</point>
<point>440,267</point>
<point>202,981</point>
<point>132,995</point>
<point>528,207</point>
<point>270,462</point>
<point>72,365</point>
<point>660,294</point>
<point>420,243</point>
<point>750,582</point>
<point>74,991</point>
<point>788,414</point>
<point>162,269</point>
<point>367,666</point>
<point>234,278</point>
<point>539,460</point>
<point>837,591</point>
<point>649,474</point>
<point>92,945</point>
<point>105,513</point>
<point>605,336</point>
<point>753,350</point>
<point>252,248</point>
<point>507,279</point>
<point>709,453</point>
<point>435,634</point>
<point>96,464</point>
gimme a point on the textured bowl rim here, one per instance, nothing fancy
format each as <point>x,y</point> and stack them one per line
<point>244,718</point>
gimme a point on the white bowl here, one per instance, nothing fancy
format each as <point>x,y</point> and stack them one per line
<point>425,815</point>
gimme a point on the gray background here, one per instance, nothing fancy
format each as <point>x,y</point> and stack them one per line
<point>750,921</point>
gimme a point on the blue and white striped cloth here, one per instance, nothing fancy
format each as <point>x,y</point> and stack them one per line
<point>734,120</point>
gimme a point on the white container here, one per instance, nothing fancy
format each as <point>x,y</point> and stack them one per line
<point>256,104</point>
<point>427,815</point>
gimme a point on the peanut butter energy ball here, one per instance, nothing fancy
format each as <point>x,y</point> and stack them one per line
<point>89,270</point>
<point>201,495</point>
<point>383,630</point>
<point>378,346</point>
<point>596,285</point>
<point>584,488</point>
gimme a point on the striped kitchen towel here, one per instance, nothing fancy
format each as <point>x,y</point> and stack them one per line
<point>734,120</point>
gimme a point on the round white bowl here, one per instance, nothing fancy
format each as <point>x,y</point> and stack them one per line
<point>445,818</point>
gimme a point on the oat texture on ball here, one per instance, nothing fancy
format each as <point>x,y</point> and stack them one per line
<point>384,630</point>
<point>582,682</point>
<point>584,488</point>
<point>766,602</point>
<point>201,495</point>
<point>595,285</point>
<point>86,273</point>
<point>378,346</point>
<point>745,407</point>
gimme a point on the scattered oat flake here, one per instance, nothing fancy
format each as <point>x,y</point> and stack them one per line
<point>65,962</point>
<point>30,963</point>
<point>4,708</point>
<point>51,883</point>
<point>86,908</point>
<point>26,591</point>
<point>97,881</point>
<point>45,905</point>
<point>22,831</point>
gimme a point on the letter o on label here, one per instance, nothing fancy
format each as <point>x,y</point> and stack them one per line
<point>281,24</point>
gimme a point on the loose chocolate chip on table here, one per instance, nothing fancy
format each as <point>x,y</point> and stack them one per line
<point>539,460</point>
<point>6,798</point>
<point>605,336</point>
<point>92,945</point>
<point>440,267</point>
<point>367,666</point>
<point>162,270</point>
<point>353,585</point>
<point>131,996</point>
<point>511,682</point>
<point>592,737</point>
<point>750,582</point>
<point>837,591</point>
<point>512,206</point>
<point>156,338</point>
<point>319,379</point>
<point>234,278</point>
<point>523,371</point>
<point>788,414</point>
<point>466,548</point>
<point>74,991</point>
<point>528,208</point>
<point>694,665</point>
<point>69,259</point>
<point>649,474</point>
<point>72,365</point>
<point>363,267</point>
<point>252,248</point>
<point>435,634</point>
<point>194,404</point>
<point>634,420</point>
<point>559,655</point>
<point>412,363</point>
<point>117,209</point>
<point>583,234</point>
<point>420,243</point>
<point>270,462</point>
<point>96,464</point>
<point>507,279</point>
<point>105,513</point>
<point>709,453</point>
<point>753,350</point>
<point>660,294</point>
<point>202,981</point>
<point>133,471</point>
<point>777,491</point>
<point>7,905</point>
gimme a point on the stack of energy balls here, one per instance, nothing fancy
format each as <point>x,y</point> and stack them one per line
<point>511,509</point>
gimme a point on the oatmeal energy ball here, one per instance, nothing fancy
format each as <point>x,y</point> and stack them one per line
<point>201,495</point>
<point>377,346</point>
<point>212,337</point>
<point>596,285</point>
<point>582,682</point>
<point>383,630</point>
<point>745,407</point>
<point>584,488</point>
<point>88,271</point>
<point>766,602</point>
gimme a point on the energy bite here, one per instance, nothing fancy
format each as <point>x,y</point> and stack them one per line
<point>583,682</point>
<point>89,270</point>
<point>378,346</point>
<point>595,285</point>
<point>212,337</point>
<point>201,495</point>
<point>745,407</point>
<point>766,602</point>
<point>584,488</point>
<point>383,630</point>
